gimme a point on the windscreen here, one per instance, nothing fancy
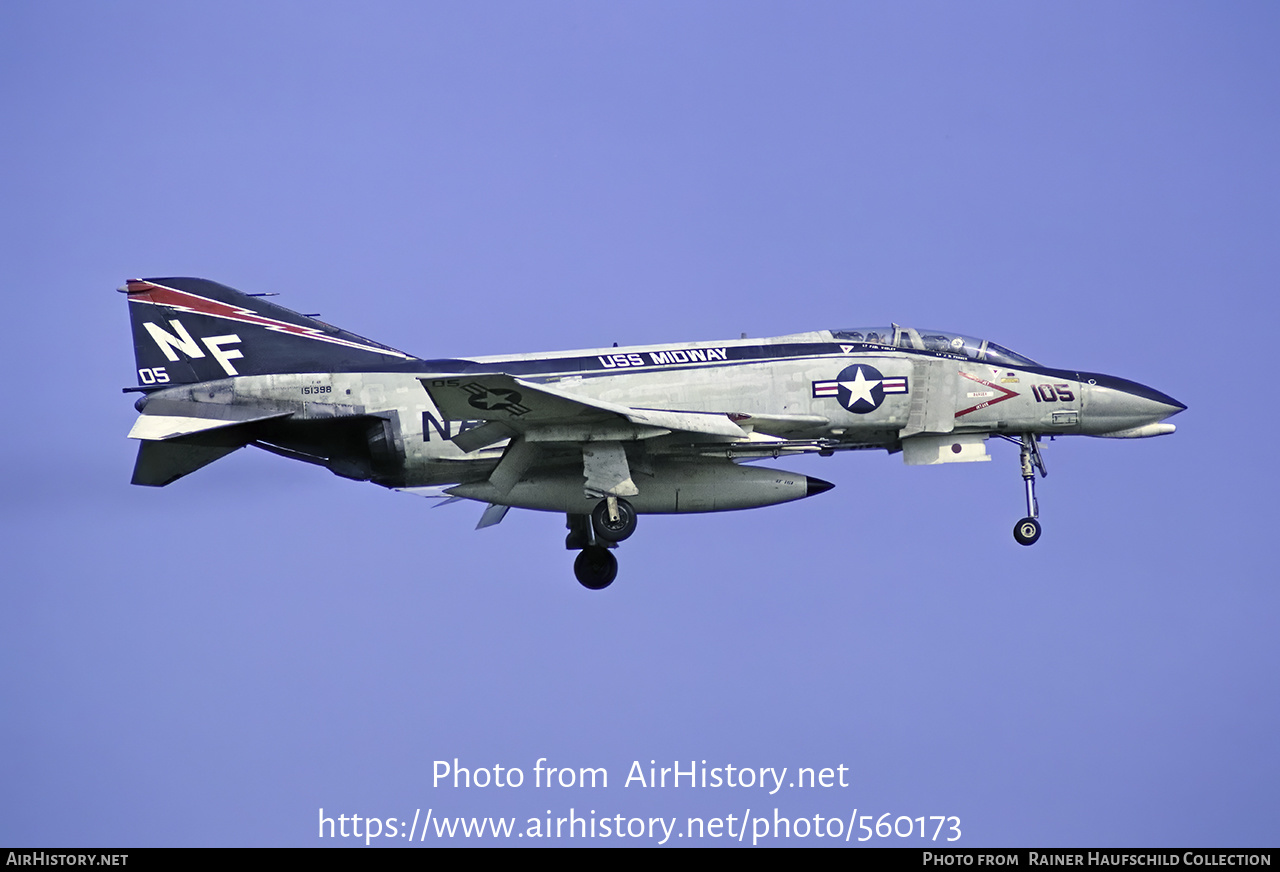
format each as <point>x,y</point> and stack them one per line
<point>895,336</point>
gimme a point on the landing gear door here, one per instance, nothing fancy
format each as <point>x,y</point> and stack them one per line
<point>933,396</point>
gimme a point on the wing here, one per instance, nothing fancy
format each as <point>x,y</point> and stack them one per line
<point>541,419</point>
<point>547,426</point>
<point>511,406</point>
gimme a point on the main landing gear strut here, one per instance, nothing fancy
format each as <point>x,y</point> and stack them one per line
<point>611,521</point>
<point>1027,531</point>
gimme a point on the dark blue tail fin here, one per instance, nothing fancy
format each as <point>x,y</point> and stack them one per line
<point>193,330</point>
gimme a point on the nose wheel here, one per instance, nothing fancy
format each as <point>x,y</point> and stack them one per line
<point>1027,531</point>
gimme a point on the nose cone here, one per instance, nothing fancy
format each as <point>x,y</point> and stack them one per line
<point>1115,404</point>
<point>816,486</point>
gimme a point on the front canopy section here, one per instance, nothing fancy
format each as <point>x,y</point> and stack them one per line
<point>942,342</point>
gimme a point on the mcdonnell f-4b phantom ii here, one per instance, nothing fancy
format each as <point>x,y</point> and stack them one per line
<point>602,435</point>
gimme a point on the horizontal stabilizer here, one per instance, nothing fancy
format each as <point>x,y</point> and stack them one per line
<point>162,463</point>
<point>170,419</point>
<point>174,445</point>
<point>158,428</point>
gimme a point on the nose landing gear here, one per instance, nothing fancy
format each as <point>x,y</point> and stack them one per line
<point>1027,531</point>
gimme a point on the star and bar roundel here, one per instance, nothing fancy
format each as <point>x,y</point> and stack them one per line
<point>860,388</point>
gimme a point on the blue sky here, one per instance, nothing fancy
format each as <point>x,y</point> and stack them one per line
<point>1093,185</point>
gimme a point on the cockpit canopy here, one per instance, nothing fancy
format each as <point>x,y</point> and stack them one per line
<point>895,336</point>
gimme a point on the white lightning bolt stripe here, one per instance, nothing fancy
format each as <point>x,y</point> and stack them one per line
<point>159,295</point>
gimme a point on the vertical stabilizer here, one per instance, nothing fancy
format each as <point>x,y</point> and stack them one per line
<point>188,330</point>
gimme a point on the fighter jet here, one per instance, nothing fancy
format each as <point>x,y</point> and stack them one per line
<point>605,434</point>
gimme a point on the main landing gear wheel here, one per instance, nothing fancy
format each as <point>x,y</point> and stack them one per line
<point>595,567</point>
<point>1027,531</point>
<point>613,523</point>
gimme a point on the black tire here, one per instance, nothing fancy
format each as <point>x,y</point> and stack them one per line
<point>595,567</point>
<point>1027,531</point>
<point>613,531</point>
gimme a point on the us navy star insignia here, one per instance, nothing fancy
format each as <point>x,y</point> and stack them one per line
<point>860,388</point>
<point>495,399</point>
